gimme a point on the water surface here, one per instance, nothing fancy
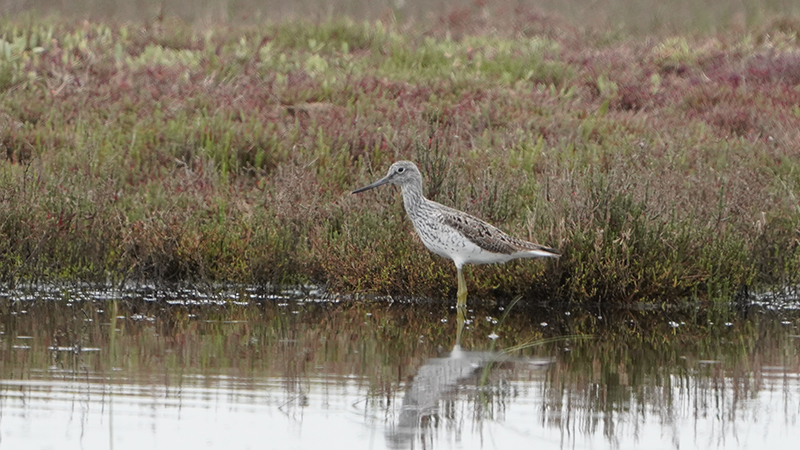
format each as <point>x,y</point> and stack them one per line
<point>166,369</point>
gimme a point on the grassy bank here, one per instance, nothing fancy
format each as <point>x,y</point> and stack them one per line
<point>662,168</point>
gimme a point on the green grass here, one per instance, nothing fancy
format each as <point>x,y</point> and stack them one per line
<point>663,168</point>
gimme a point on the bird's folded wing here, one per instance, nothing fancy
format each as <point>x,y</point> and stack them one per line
<point>481,233</point>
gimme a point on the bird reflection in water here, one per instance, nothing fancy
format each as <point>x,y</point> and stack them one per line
<point>438,387</point>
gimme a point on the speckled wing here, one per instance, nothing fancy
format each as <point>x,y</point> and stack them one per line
<point>486,236</point>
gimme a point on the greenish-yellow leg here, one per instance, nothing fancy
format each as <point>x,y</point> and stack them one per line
<point>462,289</point>
<point>459,324</point>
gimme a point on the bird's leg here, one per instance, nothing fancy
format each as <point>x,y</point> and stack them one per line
<point>459,325</point>
<point>462,289</point>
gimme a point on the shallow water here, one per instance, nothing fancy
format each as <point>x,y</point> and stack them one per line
<point>147,368</point>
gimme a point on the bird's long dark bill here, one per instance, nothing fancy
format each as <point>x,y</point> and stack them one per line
<point>373,185</point>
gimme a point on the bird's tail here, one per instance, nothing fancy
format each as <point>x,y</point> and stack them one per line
<point>544,252</point>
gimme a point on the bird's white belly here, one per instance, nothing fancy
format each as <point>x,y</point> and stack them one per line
<point>448,243</point>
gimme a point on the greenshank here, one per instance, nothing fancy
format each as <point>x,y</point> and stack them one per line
<point>454,234</point>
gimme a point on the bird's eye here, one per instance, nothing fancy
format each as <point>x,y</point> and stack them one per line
<point>400,169</point>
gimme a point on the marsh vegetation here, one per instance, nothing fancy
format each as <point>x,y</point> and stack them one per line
<point>664,166</point>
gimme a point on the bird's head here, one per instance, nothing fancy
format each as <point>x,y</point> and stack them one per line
<point>402,173</point>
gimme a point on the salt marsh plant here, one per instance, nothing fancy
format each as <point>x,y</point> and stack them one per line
<point>172,151</point>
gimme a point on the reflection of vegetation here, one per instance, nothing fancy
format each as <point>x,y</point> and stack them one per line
<point>625,379</point>
<point>278,339</point>
<point>638,365</point>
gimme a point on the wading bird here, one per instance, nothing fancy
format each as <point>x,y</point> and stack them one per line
<point>453,234</point>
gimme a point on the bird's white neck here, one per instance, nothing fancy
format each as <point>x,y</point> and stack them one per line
<point>412,198</point>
